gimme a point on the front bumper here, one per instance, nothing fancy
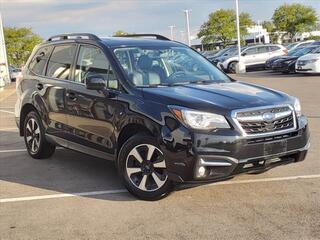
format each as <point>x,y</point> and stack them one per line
<point>308,68</point>
<point>203,157</point>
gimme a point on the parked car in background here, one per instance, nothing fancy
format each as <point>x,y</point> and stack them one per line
<point>292,46</point>
<point>222,53</point>
<point>253,56</point>
<point>14,73</point>
<point>287,63</point>
<point>309,63</point>
<point>270,61</point>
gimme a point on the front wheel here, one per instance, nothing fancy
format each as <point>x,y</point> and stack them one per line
<point>142,168</point>
<point>232,67</point>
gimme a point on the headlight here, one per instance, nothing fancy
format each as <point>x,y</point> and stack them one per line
<point>200,120</point>
<point>297,107</point>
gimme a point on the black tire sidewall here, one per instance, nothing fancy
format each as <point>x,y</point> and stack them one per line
<point>229,67</point>
<point>121,165</point>
<point>39,153</point>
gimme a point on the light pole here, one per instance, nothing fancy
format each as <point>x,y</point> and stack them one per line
<point>171,31</point>
<point>187,26</point>
<point>4,69</point>
<point>240,66</point>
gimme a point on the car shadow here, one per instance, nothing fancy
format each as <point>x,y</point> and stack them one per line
<point>66,171</point>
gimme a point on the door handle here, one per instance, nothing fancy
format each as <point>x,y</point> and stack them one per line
<point>40,86</point>
<point>72,96</point>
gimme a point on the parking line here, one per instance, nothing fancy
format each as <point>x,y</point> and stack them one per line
<point>79,194</point>
<point>8,129</point>
<point>7,111</point>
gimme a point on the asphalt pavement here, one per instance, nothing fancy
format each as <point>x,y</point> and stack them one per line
<point>75,196</point>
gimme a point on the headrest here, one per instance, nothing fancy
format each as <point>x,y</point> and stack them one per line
<point>145,63</point>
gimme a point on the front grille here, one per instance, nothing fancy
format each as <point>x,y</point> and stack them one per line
<point>266,120</point>
<point>272,138</point>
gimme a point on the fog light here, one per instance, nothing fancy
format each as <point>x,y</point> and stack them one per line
<point>201,171</point>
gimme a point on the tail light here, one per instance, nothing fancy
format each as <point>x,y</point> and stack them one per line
<point>285,51</point>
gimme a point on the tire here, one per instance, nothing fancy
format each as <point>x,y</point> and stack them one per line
<point>232,67</point>
<point>141,166</point>
<point>34,137</point>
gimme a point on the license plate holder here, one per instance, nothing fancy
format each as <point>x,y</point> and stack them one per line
<point>275,147</point>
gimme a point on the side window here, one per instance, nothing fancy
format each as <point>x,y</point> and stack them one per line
<point>274,48</point>
<point>263,49</point>
<point>59,65</point>
<point>92,61</point>
<point>39,60</point>
<point>251,51</point>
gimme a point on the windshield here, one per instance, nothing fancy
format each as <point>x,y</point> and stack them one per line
<point>166,66</point>
<point>291,45</point>
<point>303,51</point>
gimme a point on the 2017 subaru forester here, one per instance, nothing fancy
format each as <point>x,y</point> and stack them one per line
<point>157,108</point>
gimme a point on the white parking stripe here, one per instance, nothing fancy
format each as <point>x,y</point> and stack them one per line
<point>7,112</point>
<point>13,150</point>
<point>9,129</point>
<point>63,195</point>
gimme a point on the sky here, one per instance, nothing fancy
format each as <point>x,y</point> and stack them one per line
<point>50,17</point>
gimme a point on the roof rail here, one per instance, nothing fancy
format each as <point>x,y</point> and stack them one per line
<point>157,36</point>
<point>73,36</point>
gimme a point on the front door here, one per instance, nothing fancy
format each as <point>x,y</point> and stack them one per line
<point>91,112</point>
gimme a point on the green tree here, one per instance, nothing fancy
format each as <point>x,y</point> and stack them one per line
<point>19,43</point>
<point>119,33</point>
<point>221,26</point>
<point>294,18</point>
<point>269,26</point>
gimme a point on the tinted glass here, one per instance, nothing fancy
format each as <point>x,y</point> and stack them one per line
<point>274,48</point>
<point>262,49</point>
<point>150,66</point>
<point>59,65</point>
<point>251,51</point>
<point>92,62</point>
<point>39,60</point>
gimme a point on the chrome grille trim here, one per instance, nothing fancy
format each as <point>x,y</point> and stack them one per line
<point>253,118</point>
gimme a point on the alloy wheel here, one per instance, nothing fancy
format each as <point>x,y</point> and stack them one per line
<point>33,135</point>
<point>146,167</point>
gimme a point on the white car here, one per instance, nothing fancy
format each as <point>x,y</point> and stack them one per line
<point>309,63</point>
<point>252,56</point>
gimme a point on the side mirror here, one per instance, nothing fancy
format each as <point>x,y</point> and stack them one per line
<point>95,82</point>
<point>243,54</point>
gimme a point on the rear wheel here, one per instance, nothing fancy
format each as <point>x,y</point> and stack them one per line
<point>142,167</point>
<point>34,137</point>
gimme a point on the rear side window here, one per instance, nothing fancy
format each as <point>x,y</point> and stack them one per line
<point>59,65</point>
<point>274,48</point>
<point>263,49</point>
<point>39,60</point>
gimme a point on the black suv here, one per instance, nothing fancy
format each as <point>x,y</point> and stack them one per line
<point>157,108</point>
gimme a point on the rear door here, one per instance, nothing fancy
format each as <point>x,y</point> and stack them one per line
<point>262,55</point>
<point>91,112</point>
<point>58,76</point>
<point>250,56</point>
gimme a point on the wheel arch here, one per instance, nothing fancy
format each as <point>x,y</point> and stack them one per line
<point>28,107</point>
<point>130,130</point>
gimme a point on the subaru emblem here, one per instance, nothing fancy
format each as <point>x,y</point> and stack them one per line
<point>268,116</point>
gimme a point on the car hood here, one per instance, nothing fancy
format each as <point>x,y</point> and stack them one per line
<point>286,58</point>
<point>220,96</point>
<point>310,56</point>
